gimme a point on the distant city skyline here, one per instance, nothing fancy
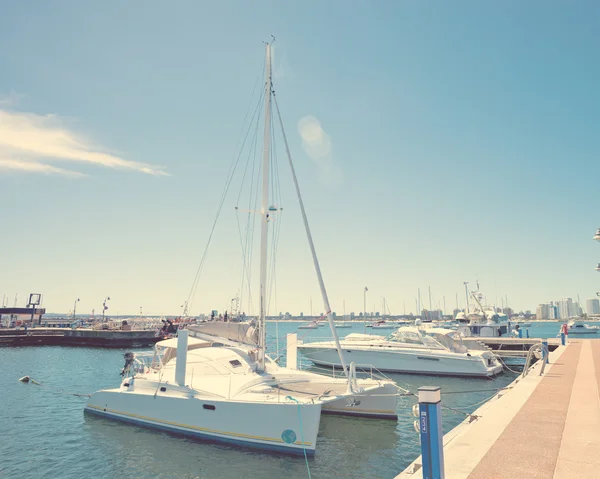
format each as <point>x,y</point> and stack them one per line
<point>425,138</point>
<point>570,307</point>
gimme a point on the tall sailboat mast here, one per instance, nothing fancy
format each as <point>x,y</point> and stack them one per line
<point>264,210</point>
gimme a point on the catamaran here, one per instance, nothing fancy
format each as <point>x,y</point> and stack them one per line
<point>217,381</point>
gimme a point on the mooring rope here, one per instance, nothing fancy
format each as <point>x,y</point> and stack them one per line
<point>28,379</point>
<point>301,433</point>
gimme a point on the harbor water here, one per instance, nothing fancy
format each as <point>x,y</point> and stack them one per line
<point>45,433</point>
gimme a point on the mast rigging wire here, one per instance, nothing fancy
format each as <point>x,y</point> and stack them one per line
<point>228,181</point>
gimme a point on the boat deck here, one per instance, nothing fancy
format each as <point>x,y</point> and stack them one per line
<point>544,427</point>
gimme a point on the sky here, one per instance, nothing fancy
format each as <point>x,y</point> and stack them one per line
<point>435,143</point>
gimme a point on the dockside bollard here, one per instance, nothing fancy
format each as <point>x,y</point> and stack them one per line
<point>430,429</point>
<point>545,350</point>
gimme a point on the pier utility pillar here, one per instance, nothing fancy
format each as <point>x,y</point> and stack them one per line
<point>430,429</point>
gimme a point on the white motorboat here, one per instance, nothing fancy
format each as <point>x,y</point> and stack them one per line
<point>482,321</point>
<point>408,350</point>
<point>221,384</point>
<point>342,325</point>
<point>579,328</point>
<point>311,325</point>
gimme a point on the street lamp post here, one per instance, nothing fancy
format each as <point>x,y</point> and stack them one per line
<point>75,308</point>
<point>104,307</point>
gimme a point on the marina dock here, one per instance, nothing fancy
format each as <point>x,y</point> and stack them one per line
<point>542,426</point>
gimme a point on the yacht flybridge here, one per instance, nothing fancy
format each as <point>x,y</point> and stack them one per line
<point>434,351</point>
<point>220,384</point>
<point>482,321</point>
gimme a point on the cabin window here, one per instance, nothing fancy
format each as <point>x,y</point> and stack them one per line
<point>163,389</point>
<point>210,407</point>
<point>235,363</point>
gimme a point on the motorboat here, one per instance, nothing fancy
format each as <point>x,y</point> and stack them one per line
<point>342,325</point>
<point>521,321</point>
<point>482,321</point>
<point>436,351</point>
<point>382,325</point>
<point>579,328</point>
<point>311,325</point>
<point>217,381</point>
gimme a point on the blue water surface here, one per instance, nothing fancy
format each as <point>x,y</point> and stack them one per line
<point>45,434</point>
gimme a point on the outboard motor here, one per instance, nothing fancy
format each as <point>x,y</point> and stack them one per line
<point>129,357</point>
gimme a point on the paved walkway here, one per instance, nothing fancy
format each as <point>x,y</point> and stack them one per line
<point>544,427</point>
<point>556,433</point>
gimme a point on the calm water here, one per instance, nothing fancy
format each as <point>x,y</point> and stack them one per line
<point>44,434</point>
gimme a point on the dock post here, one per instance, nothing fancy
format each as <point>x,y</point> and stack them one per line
<point>527,333</point>
<point>430,429</point>
<point>181,363</point>
<point>520,333</point>
<point>563,339</point>
<point>545,350</point>
<point>292,351</point>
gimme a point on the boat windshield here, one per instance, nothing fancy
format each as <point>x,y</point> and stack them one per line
<point>412,337</point>
<point>449,341</point>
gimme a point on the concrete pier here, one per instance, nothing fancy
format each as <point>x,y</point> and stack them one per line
<point>542,427</point>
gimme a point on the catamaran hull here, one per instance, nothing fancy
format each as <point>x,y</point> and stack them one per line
<point>378,403</point>
<point>405,362</point>
<point>269,426</point>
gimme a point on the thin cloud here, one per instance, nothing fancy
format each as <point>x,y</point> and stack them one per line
<point>29,142</point>
<point>35,167</point>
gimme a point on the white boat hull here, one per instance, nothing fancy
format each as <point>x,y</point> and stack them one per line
<point>272,426</point>
<point>414,362</point>
<point>376,403</point>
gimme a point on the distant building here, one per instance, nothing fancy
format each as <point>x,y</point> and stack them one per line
<point>352,315</point>
<point>11,317</point>
<point>431,315</point>
<point>592,306</point>
<point>543,311</point>
<point>567,308</point>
